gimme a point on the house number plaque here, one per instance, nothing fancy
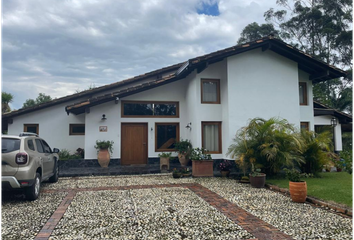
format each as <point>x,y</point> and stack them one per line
<point>103,128</point>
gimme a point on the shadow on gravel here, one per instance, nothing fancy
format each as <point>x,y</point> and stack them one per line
<point>12,196</point>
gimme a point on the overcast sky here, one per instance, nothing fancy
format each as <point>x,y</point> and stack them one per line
<point>57,47</point>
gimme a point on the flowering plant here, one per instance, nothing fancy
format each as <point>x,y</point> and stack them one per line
<point>200,154</point>
<point>225,166</point>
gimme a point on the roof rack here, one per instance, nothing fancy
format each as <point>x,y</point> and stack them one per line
<point>24,134</point>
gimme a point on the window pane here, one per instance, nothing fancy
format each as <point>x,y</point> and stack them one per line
<point>32,129</point>
<point>166,136</point>
<point>30,144</point>
<point>165,109</point>
<point>139,109</point>
<point>46,147</point>
<point>39,146</point>
<point>77,129</point>
<point>10,145</point>
<point>210,92</point>
<point>150,109</point>
<point>211,137</point>
<point>301,91</point>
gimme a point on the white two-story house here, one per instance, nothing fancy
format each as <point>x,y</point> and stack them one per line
<point>205,99</point>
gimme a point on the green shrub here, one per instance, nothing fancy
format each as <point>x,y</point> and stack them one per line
<point>183,147</point>
<point>316,150</point>
<point>104,145</point>
<point>165,155</point>
<point>269,144</point>
<point>64,154</point>
<point>348,160</point>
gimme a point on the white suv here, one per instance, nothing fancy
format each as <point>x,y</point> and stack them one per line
<point>26,161</point>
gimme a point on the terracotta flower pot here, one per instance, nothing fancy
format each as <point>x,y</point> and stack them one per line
<point>202,168</point>
<point>298,191</point>
<point>103,158</point>
<point>225,174</point>
<point>258,181</point>
<point>183,159</point>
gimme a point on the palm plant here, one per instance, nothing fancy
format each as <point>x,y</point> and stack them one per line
<point>269,143</point>
<point>317,151</point>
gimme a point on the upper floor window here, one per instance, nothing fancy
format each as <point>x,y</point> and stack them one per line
<point>303,93</point>
<point>150,109</point>
<point>77,129</point>
<point>210,91</point>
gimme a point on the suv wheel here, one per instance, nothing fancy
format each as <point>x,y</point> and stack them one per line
<point>32,192</point>
<point>55,177</point>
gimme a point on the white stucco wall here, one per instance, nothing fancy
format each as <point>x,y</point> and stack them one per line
<point>261,84</point>
<point>306,111</point>
<point>171,92</point>
<point>326,120</point>
<point>53,127</point>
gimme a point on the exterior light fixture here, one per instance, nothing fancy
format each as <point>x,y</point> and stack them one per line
<point>189,126</point>
<point>334,122</point>
<point>104,117</point>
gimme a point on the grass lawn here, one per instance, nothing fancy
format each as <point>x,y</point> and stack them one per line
<point>332,186</point>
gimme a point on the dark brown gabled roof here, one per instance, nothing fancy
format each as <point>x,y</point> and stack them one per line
<point>318,70</point>
<point>89,93</point>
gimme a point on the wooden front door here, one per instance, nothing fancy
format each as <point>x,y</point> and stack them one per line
<point>134,143</point>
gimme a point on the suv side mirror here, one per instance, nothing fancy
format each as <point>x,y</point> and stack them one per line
<point>55,150</point>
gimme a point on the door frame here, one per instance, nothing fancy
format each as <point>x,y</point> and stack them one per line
<point>147,140</point>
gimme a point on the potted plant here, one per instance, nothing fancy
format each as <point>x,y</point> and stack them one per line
<point>257,179</point>
<point>164,160</point>
<point>176,173</point>
<point>225,167</point>
<point>297,187</point>
<point>103,150</point>
<point>183,148</point>
<point>186,172</point>
<point>202,163</point>
<point>244,179</point>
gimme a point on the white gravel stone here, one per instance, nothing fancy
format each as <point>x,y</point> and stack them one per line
<point>166,213</point>
<point>21,219</point>
<point>301,221</point>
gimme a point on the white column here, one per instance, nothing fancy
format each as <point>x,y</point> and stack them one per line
<point>338,137</point>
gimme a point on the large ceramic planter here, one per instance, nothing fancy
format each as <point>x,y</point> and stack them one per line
<point>202,168</point>
<point>183,159</point>
<point>103,158</point>
<point>258,181</point>
<point>298,191</point>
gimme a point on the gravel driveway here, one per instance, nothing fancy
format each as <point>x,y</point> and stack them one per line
<point>160,207</point>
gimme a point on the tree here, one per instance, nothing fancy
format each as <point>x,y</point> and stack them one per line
<point>253,31</point>
<point>42,98</point>
<point>6,98</point>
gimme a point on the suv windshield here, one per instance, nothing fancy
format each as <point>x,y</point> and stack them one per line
<point>10,145</point>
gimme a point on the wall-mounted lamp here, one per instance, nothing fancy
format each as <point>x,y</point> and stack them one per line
<point>152,129</point>
<point>117,100</point>
<point>334,122</point>
<point>189,126</point>
<point>103,117</point>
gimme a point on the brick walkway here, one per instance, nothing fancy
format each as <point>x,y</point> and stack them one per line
<point>258,228</point>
